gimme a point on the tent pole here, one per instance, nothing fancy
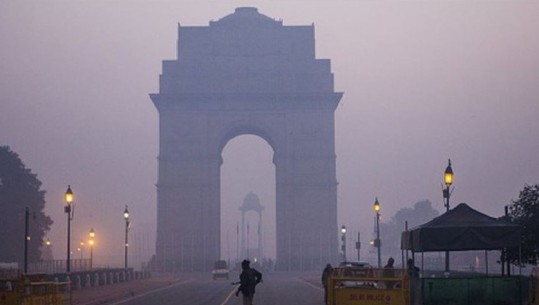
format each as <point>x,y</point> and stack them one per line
<point>503,261</point>
<point>422,267</point>
<point>407,234</point>
<point>404,261</point>
<point>486,262</point>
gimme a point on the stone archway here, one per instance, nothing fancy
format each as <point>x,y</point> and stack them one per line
<point>246,74</point>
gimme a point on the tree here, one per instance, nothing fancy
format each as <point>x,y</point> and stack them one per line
<point>525,211</point>
<point>390,232</point>
<point>20,189</point>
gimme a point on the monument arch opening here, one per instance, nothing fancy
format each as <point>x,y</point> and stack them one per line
<point>248,175</point>
<point>246,73</point>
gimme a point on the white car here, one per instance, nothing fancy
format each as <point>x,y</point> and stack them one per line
<point>220,270</point>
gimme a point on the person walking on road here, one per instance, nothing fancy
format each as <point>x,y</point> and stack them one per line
<point>325,275</point>
<point>249,278</point>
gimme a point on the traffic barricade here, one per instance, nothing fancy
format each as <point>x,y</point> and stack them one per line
<point>18,288</point>
<point>368,286</point>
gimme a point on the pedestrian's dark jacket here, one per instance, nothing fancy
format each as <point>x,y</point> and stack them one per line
<point>249,278</point>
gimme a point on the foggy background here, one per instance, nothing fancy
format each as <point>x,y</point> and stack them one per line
<point>423,81</point>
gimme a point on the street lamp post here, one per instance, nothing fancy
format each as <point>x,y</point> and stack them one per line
<point>378,242</point>
<point>91,243</point>
<point>343,238</point>
<point>81,249</point>
<point>448,180</point>
<point>69,210</point>
<point>48,254</point>
<point>358,247</point>
<point>26,238</point>
<point>126,217</point>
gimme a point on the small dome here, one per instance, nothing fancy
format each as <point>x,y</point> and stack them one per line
<point>251,202</point>
<point>246,10</point>
<point>244,15</point>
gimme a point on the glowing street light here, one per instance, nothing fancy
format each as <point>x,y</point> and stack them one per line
<point>448,180</point>
<point>126,217</point>
<point>81,248</point>
<point>69,210</point>
<point>343,238</point>
<point>378,242</point>
<point>26,238</point>
<point>91,243</point>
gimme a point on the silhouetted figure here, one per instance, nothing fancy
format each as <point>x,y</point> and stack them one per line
<point>389,272</point>
<point>413,271</point>
<point>325,275</point>
<point>249,278</point>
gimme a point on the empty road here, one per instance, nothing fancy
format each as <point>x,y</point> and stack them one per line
<point>277,289</point>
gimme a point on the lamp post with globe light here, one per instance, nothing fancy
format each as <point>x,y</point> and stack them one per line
<point>343,238</point>
<point>81,249</point>
<point>91,243</point>
<point>378,242</point>
<point>26,238</point>
<point>448,180</point>
<point>69,210</point>
<point>126,217</point>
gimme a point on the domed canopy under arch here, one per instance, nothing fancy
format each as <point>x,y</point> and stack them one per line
<point>251,202</point>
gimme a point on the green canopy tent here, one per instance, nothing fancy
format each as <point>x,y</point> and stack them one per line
<point>461,229</point>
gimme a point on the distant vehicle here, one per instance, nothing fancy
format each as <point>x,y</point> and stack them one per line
<point>220,270</point>
<point>354,264</point>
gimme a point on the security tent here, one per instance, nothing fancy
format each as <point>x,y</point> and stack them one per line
<point>461,229</point>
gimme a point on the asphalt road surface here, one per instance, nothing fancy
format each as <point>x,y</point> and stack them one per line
<point>276,289</point>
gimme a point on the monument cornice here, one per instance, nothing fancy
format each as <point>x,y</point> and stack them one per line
<point>220,101</point>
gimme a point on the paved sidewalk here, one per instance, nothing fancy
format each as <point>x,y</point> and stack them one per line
<point>109,294</point>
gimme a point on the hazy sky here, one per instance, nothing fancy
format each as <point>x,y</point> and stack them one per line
<point>423,81</point>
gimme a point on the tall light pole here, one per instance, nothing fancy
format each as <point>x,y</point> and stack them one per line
<point>69,210</point>
<point>126,217</point>
<point>91,243</point>
<point>81,249</point>
<point>26,238</point>
<point>358,247</point>
<point>343,238</point>
<point>448,180</point>
<point>378,242</point>
<point>47,256</point>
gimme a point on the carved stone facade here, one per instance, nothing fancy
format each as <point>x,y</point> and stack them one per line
<point>246,74</point>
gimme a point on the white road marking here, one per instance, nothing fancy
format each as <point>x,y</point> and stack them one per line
<point>229,296</point>
<point>311,284</point>
<point>151,291</point>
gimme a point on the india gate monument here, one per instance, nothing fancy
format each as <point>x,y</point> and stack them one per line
<point>246,74</point>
